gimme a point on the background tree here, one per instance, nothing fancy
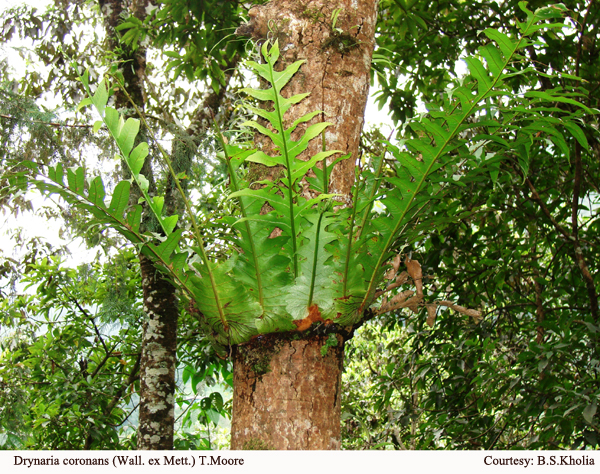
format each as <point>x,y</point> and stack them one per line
<point>129,66</point>
<point>57,397</point>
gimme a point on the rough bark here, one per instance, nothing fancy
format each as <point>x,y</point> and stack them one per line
<point>336,71</point>
<point>158,361</point>
<point>286,393</point>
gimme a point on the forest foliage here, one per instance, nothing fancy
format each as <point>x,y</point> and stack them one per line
<point>494,189</point>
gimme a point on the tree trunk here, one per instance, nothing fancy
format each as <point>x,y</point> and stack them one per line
<point>286,393</point>
<point>158,360</point>
<point>159,334</point>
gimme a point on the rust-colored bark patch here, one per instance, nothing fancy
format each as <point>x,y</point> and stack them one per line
<point>314,316</point>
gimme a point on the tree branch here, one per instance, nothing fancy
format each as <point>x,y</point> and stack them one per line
<point>577,251</point>
<point>50,124</point>
<point>536,197</point>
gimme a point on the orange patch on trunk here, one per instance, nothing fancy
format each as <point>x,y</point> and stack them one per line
<point>314,315</point>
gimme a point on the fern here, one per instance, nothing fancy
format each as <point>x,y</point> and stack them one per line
<point>331,260</point>
<point>419,170</point>
<point>289,150</point>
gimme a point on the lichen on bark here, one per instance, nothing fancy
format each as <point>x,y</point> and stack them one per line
<point>158,361</point>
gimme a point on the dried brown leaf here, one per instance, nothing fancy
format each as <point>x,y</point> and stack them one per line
<point>414,270</point>
<point>475,314</point>
<point>401,279</point>
<point>391,273</point>
<point>431,311</point>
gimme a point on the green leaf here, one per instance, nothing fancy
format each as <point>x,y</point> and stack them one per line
<point>577,133</point>
<point>227,311</point>
<point>137,157</point>
<point>544,95</point>
<point>56,174</point>
<point>114,122</point>
<point>493,59</point>
<point>478,72</point>
<point>172,54</point>
<point>96,192</point>
<point>100,97</point>
<point>157,204</point>
<point>97,126</point>
<point>134,217</point>
<point>127,135</point>
<point>169,223</point>
<point>76,180</point>
<point>589,411</point>
<point>507,46</point>
<point>120,198</point>
<point>261,157</point>
<point>314,283</point>
<point>84,103</point>
<point>166,248</point>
